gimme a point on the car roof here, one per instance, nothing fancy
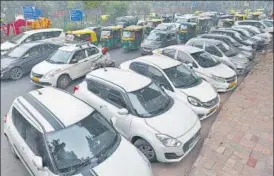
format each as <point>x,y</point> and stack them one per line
<point>34,43</point>
<point>56,109</point>
<point>161,61</point>
<point>73,46</point>
<point>127,80</point>
<point>224,30</point>
<point>42,30</point>
<point>186,48</point>
<point>212,41</point>
<point>248,21</point>
<point>216,35</point>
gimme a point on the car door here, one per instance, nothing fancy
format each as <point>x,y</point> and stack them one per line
<point>47,49</point>
<point>169,53</point>
<point>174,38</point>
<point>79,64</point>
<point>94,57</point>
<point>31,58</point>
<point>211,49</point>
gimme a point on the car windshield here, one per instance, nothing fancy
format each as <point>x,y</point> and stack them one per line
<point>149,101</point>
<point>89,141</point>
<point>105,33</point>
<point>155,36</point>
<point>17,39</point>
<point>60,57</point>
<point>204,59</point>
<point>128,34</point>
<point>223,47</point>
<point>234,42</point>
<point>182,77</point>
<point>268,23</point>
<point>161,27</point>
<point>238,36</point>
<point>17,52</point>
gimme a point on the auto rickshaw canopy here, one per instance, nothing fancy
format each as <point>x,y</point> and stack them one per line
<point>134,28</point>
<point>78,33</point>
<point>112,28</point>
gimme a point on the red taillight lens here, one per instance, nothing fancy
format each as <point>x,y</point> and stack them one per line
<point>88,39</point>
<point>75,88</point>
<point>5,118</point>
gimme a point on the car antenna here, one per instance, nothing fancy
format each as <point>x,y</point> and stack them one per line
<point>40,93</point>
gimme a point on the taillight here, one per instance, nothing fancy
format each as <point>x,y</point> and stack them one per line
<point>75,88</point>
<point>5,118</point>
<point>89,39</point>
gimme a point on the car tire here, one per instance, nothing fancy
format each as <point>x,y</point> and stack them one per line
<point>146,149</point>
<point>16,73</point>
<point>63,81</point>
<point>12,149</point>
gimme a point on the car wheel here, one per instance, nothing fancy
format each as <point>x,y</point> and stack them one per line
<point>146,149</point>
<point>16,73</point>
<point>12,149</point>
<point>63,81</point>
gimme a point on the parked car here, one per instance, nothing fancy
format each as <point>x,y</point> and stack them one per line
<point>178,81</point>
<point>158,40</point>
<point>162,128</point>
<point>224,53</point>
<point>220,76</point>
<point>20,59</point>
<point>258,24</point>
<point>246,50</point>
<point>166,27</point>
<point>66,64</point>
<point>50,140</point>
<point>267,22</point>
<point>237,36</point>
<point>53,35</point>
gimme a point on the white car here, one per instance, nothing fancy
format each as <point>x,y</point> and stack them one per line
<point>256,23</point>
<point>162,128</point>
<point>178,81</point>
<point>66,64</point>
<point>65,136</point>
<point>53,35</point>
<point>224,53</point>
<point>220,76</point>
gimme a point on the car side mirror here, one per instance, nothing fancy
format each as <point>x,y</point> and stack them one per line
<point>189,65</point>
<point>73,61</point>
<point>122,111</point>
<point>38,162</point>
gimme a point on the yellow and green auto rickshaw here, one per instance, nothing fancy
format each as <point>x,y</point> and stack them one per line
<point>111,36</point>
<point>240,17</point>
<point>255,15</point>
<point>151,24</point>
<point>187,31</point>
<point>227,23</point>
<point>82,35</point>
<point>203,25</point>
<point>132,37</point>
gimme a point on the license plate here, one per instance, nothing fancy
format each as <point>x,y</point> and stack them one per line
<point>35,79</point>
<point>232,84</point>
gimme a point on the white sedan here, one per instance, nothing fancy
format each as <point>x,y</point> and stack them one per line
<point>178,81</point>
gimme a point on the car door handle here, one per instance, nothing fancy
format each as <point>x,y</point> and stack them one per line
<point>85,60</point>
<point>23,150</point>
<point>103,106</point>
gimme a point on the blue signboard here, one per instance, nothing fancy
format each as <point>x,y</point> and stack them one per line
<point>31,12</point>
<point>76,15</point>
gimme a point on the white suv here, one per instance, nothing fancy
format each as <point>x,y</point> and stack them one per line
<point>53,35</point>
<point>163,128</point>
<point>66,64</point>
<point>220,76</point>
<point>65,136</point>
<point>178,81</point>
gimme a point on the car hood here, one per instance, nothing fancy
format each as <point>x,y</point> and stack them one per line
<point>204,91</point>
<point>119,163</point>
<point>239,58</point>
<point>6,61</point>
<point>175,122</point>
<point>246,48</point>
<point>221,70</point>
<point>7,45</point>
<point>45,67</point>
<point>250,42</point>
<point>150,43</point>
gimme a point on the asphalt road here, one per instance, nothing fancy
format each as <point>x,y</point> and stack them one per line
<point>12,89</point>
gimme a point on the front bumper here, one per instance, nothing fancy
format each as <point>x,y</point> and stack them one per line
<point>222,86</point>
<point>44,82</point>
<point>5,74</point>
<point>242,71</point>
<point>176,154</point>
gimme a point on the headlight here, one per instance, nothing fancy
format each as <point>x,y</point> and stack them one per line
<point>216,78</point>
<point>168,141</point>
<point>194,101</point>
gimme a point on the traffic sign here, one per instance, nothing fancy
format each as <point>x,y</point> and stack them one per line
<point>59,13</point>
<point>31,12</point>
<point>76,15</point>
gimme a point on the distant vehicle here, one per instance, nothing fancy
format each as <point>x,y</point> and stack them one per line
<point>224,53</point>
<point>97,30</point>
<point>166,27</point>
<point>204,65</point>
<point>50,140</point>
<point>161,127</point>
<point>53,35</point>
<point>158,40</point>
<point>258,24</point>
<point>178,81</point>
<point>66,64</point>
<point>20,59</point>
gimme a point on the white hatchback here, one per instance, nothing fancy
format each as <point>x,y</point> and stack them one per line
<point>161,127</point>
<point>66,64</point>
<point>220,76</point>
<point>65,136</point>
<point>178,81</point>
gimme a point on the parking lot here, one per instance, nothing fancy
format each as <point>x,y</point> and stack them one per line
<point>12,89</point>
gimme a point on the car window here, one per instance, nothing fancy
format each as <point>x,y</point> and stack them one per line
<point>198,45</point>
<point>19,123</point>
<point>92,51</point>
<point>159,78</point>
<point>212,50</point>
<point>168,37</point>
<point>56,33</point>
<point>181,56</point>
<point>114,97</point>
<point>169,52</point>
<point>49,48</point>
<point>79,55</point>
<point>85,37</point>
<point>33,138</point>
<point>94,87</point>
<point>139,68</point>
<point>34,37</point>
<point>33,52</point>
